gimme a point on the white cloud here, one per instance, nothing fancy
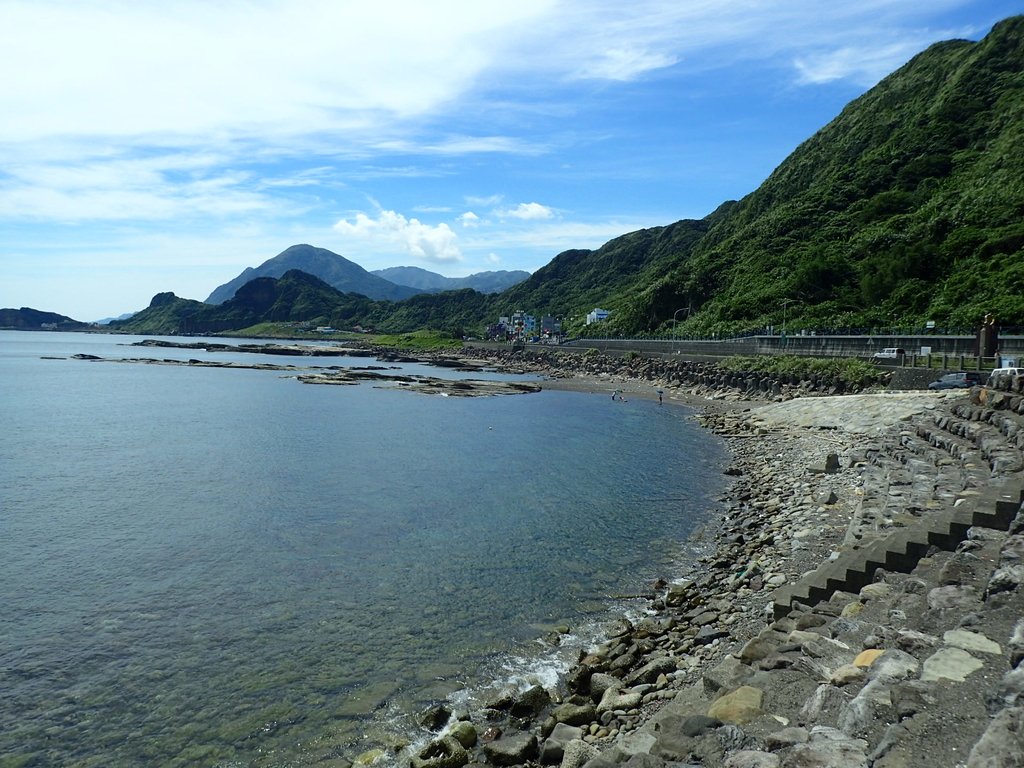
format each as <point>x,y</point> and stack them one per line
<point>494,258</point>
<point>437,243</point>
<point>626,64</point>
<point>110,188</point>
<point>527,212</point>
<point>864,65</point>
<point>469,219</point>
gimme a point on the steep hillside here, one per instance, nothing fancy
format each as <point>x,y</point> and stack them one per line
<point>425,280</point>
<point>909,206</point>
<point>615,276</point>
<point>294,297</point>
<point>333,269</point>
<point>164,315</point>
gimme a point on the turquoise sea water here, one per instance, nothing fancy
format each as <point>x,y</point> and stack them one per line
<point>228,567</point>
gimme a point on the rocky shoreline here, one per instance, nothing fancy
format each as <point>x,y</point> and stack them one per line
<point>919,665</point>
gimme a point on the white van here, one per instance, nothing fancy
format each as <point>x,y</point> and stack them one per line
<point>1004,372</point>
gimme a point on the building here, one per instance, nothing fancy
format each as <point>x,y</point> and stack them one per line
<point>597,315</point>
<point>550,326</point>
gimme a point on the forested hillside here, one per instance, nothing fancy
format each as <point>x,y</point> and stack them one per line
<point>909,206</point>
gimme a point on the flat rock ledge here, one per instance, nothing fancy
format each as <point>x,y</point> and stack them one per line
<point>345,375</point>
<point>917,661</point>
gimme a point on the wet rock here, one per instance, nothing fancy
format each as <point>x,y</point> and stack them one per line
<point>464,732</point>
<point>435,717</point>
<point>531,702</point>
<point>446,752</point>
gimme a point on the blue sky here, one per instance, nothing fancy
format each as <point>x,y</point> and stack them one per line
<point>165,146</point>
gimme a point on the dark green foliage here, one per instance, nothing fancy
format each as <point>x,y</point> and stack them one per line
<point>901,209</point>
<point>839,369</point>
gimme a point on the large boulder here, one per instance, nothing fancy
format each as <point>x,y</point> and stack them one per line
<point>514,749</point>
<point>445,752</point>
<point>575,713</point>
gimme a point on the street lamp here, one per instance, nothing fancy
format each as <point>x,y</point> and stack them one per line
<point>785,303</point>
<point>675,326</point>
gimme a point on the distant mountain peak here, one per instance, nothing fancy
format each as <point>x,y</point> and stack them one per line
<point>335,270</point>
<point>431,282</point>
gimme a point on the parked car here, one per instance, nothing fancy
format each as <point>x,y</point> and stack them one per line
<point>889,353</point>
<point>960,380</point>
<point>1004,372</point>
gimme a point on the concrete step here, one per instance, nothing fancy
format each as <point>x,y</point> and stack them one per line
<point>901,550</point>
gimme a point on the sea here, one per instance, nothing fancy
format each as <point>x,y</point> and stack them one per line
<point>228,567</point>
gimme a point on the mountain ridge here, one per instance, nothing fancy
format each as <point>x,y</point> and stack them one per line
<point>335,270</point>
<point>485,282</point>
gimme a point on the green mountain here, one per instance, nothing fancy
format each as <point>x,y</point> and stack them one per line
<point>909,206</point>
<point>28,319</point>
<point>294,297</point>
<point>431,282</point>
<point>333,269</point>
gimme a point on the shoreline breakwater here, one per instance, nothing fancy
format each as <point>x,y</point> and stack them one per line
<point>916,660</point>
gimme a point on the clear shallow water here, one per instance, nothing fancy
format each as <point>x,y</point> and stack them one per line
<point>227,567</point>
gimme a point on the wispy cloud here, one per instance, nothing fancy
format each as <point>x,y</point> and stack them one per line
<point>864,65</point>
<point>526,211</point>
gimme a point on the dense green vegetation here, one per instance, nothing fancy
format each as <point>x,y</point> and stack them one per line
<point>425,341</point>
<point>845,369</point>
<point>907,207</point>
